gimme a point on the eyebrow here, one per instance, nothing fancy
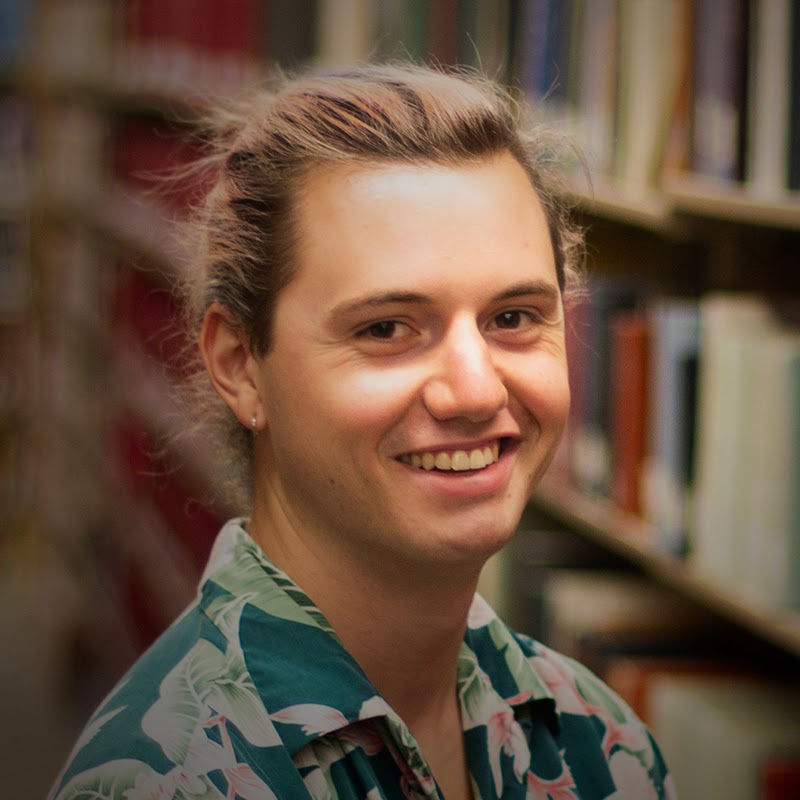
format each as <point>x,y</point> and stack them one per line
<point>546,289</point>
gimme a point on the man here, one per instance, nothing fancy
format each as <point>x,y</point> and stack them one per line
<point>381,277</point>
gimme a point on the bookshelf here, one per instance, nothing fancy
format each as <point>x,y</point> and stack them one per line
<point>83,378</point>
<point>635,540</point>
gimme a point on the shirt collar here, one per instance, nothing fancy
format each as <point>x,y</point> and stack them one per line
<point>252,602</point>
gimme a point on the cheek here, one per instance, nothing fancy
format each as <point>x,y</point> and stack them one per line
<point>343,401</point>
<point>546,393</point>
<point>372,396</point>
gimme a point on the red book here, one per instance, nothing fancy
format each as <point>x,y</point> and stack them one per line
<point>629,358</point>
<point>780,778</point>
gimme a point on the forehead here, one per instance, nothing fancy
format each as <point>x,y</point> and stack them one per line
<point>429,223</point>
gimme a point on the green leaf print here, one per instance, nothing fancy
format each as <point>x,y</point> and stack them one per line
<point>225,612</point>
<point>283,600</point>
<point>594,691</point>
<point>514,656</point>
<point>234,696</point>
<point>472,690</point>
<point>109,781</point>
<point>204,682</point>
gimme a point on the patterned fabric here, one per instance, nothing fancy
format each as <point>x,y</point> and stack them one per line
<point>250,694</point>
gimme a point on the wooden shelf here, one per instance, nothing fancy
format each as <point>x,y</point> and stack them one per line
<point>647,209</point>
<point>670,211</point>
<point>696,196</point>
<point>636,541</point>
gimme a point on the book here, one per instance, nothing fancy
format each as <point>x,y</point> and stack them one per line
<point>345,32</point>
<point>724,396</point>
<point>647,81</point>
<point>490,33</point>
<point>541,60</point>
<point>226,41</point>
<point>719,88</point>
<point>716,733</point>
<point>676,154</point>
<point>591,451</point>
<point>151,477</point>
<point>145,155</point>
<point>780,778</point>
<point>770,540</point>
<point>767,171</point>
<point>667,476</point>
<point>794,99</point>
<point>595,119</point>
<point>629,422</point>
<point>289,32</point>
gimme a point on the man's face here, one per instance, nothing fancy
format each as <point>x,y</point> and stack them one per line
<point>424,328</point>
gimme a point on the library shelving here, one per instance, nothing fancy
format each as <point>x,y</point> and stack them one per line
<point>694,189</point>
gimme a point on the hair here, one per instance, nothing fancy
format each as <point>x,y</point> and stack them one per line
<point>243,234</point>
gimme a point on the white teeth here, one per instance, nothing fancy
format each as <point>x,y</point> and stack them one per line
<point>460,461</point>
<point>457,461</point>
<point>477,460</point>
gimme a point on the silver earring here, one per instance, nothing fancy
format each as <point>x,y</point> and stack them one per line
<point>254,423</point>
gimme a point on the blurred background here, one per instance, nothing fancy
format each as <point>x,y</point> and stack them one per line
<point>664,548</point>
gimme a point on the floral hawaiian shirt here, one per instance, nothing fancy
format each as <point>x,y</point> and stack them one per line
<point>250,694</point>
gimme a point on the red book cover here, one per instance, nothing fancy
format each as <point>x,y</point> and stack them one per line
<point>629,359</point>
<point>780,778</point>
<point>146,155</point>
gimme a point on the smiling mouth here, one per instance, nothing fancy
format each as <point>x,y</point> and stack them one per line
<point>454,460</point>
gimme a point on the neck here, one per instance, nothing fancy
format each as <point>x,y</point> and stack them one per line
<point>407,645</point>
<point>403,624</point>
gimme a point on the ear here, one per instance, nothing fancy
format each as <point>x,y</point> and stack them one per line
<point>231,365</point>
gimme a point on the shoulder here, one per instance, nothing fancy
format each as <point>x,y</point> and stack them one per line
<point>115,733</point>
<point>172,722</point>
<point>594,717</point>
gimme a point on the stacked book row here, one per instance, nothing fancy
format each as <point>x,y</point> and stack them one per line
<point>649,88</point>
<point>686,411</point>
<point>655,87</point>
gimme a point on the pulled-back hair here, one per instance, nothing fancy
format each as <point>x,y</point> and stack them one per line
<point>243,236</point>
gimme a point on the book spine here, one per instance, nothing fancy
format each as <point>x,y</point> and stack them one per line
<point>629,405</point>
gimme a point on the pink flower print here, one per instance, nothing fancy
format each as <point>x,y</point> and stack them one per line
<point>629,735</point>
<point>561,788</point>
<point>365,736</point>
<point>562,686</point>
<point>505,735</point>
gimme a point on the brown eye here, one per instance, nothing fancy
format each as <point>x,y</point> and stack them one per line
<point>508,320</point>
<point>385,329</point>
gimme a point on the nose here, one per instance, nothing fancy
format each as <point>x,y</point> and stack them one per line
<point>465,383</point>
